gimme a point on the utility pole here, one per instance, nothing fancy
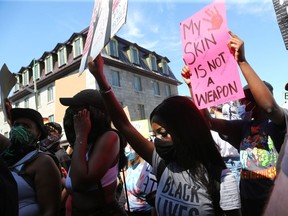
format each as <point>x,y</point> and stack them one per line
<point>35,85</point>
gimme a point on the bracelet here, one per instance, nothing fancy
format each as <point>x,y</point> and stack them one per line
<point>107,91</point>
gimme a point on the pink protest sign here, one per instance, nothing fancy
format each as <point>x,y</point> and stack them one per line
<point>215,78</point>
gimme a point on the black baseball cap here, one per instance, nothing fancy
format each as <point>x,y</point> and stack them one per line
<point>248,94</point>
<point>87,97</point>
<point>31,114</point>
<point>53,127</point>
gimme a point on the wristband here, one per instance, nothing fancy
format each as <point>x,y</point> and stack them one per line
<point>107,91</point>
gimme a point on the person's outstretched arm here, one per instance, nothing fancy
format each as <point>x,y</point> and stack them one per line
<point>219,125</point>
<point>139,143</point>
<point>260,92</point>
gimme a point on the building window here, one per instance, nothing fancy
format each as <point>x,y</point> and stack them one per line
<point>51,118</point>
<point>48,64</point>
<point>62,56</point>
<point>25,77</point>
<point>137,83</point>
<point>50,94</point>
<point>17,85</point>
<point>113,48</point>
<point>153,63</point>
<point>165,69</point>
<point>26,103</point>
<point>36,71</point>
<point>38,98</point>
<point>77,47</point>
<point>156,88</point>
<point>134,55</point>
<point>115,78</point>
<point>141,111</point>
<point>167,90</point>
<point>17,105</point>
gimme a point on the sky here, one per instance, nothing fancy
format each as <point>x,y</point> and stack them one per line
<point>29,28</point>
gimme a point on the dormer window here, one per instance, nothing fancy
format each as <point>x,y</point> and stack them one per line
<point>36,71</point>
<point>62,56</point>
<point>77,47</point>
<point>17,85</point>
<point>113,48</point>
<point>165,69</point>
<point>134,55</point>
<point>25,77</point>
<point>48,64</point>
<point>153,62</point>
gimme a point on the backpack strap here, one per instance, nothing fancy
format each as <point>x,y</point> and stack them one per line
<point>22,172</point>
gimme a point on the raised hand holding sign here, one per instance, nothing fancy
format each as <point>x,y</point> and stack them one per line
<point>214,72</point>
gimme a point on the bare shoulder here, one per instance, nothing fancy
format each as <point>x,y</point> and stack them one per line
<point>42,162</point>
<point>111,136</point>
<point>108,142</point>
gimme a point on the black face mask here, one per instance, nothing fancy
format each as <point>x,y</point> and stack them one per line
<point>165,149</point>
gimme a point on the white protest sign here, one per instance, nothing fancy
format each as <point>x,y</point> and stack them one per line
<point>147,181</point>
<point>7,81</point>
<point>107,19</point>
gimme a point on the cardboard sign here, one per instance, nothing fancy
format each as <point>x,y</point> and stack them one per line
<point>7,81</point>
<point>215,78</point>
<point>142,126</point>
<point>147,181</point>
<point>107,19</point>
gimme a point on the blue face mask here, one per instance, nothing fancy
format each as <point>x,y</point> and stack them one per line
<point>131,156</point>
<point>245,115</point>
<point>129,153</point>
<point>242,111</point>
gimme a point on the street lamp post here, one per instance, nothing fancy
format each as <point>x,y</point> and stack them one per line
<point>35,84</point>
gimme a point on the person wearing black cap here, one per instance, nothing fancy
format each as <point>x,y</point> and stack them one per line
<point>258,137</point>
<point>37,176</point>
<point>98,155</point>
<point>52,144</point>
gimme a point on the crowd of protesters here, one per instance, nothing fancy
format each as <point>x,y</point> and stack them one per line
<point>221,161</point>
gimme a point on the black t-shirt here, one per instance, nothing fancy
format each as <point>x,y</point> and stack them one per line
<point>258,145</point>
<point>64,158</point>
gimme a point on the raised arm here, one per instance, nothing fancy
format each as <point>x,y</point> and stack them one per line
<point>139,143</point>
<point>218,125</point>
<point>260,92</point>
